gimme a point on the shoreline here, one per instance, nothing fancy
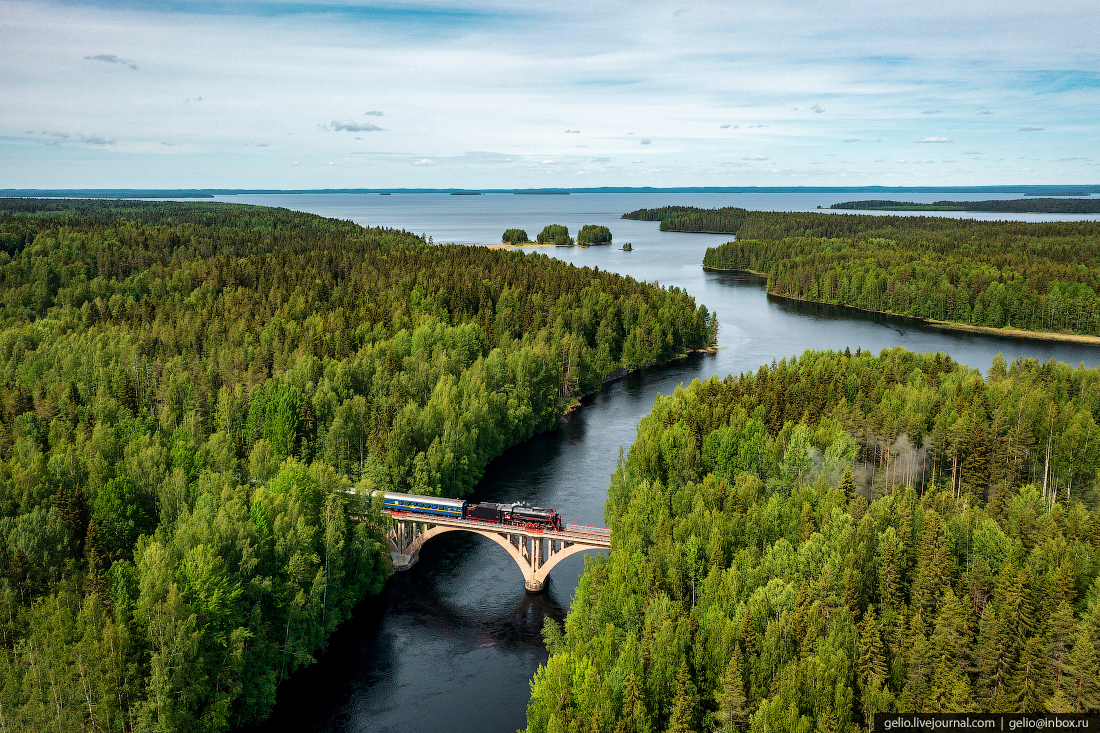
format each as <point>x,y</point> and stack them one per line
<point>578,400</point>
<point>1073,338</point>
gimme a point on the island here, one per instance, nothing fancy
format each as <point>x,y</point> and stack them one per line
<point>1012,206</point>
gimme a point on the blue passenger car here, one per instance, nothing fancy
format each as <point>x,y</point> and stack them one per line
<point>425,504</point>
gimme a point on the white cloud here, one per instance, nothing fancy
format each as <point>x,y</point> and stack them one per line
<point>352,126</point>
<point>94,139</point>
<point>424,161</point>
<point>111,58</point>
<point>934,140</point>
<point>454,75</point>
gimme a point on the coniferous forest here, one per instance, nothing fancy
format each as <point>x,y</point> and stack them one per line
<point>838,535</point>
<point>189,390</point>
<point>992,274</point>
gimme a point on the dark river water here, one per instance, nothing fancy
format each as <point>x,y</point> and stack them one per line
<point>452,644</point>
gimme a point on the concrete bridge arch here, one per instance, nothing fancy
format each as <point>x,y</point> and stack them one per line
<point>535,552</point>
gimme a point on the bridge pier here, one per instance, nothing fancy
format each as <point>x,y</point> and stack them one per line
<point>536,552</point>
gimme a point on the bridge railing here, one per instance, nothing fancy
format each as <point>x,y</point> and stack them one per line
<point>571,532</point>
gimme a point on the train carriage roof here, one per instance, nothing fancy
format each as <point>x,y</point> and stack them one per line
<point>421,499</point>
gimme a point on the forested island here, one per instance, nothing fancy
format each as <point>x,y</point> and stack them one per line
<point>1014,206</point>
<point>187,391</point>
<point>1034,278</point>
<point>558,235</point>
<point>838,535</point>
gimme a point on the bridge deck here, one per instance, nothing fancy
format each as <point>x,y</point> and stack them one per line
<point>578,533</point>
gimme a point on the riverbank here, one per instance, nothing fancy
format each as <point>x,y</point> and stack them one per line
<point>618,374</point>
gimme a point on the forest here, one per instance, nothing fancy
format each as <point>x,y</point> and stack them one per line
<point>912,230</point>
<point>1014,206</point>
<point>189,390</point>
<point>836,535</point>
<point>1035,283</point>
<point>993,274</point>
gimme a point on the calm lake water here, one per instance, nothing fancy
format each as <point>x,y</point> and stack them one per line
<point>452,644</point>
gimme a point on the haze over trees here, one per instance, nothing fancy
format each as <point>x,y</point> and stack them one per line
<point>837,535</point>
<point>187,392</point>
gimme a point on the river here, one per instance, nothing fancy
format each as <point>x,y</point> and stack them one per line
<point>451,645</point>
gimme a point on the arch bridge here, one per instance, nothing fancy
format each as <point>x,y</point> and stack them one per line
<point>536,552</point>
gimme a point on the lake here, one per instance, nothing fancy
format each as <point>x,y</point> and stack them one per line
<point>451,645</point>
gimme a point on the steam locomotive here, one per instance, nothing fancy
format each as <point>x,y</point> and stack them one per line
<point>518,514</point>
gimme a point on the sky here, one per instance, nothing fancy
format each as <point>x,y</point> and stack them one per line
<point>528,94</point>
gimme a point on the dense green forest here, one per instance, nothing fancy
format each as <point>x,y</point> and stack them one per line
<point>838,535</point>
<point>1014,206</point>
<point>555,234</point>
<point>188,390</point>
<point>1036,283</point>
<point>995,274</point>
<point>940,230</point>
<point>593,234</point>
<point>515,236</point>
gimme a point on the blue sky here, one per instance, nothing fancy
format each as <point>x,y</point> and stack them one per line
<point>336,94</point>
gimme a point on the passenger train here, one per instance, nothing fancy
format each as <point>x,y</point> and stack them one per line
<point>517,514</point>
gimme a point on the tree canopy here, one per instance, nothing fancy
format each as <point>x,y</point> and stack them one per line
<point>555,234</point>
<point>838,535</point>
<point>515,236</point>
<point>189,390</point>
<point>593,234</point>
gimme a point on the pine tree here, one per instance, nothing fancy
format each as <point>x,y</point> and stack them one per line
<point>1062,630</point>
<point>634,718</point>
<point>975,466</point>
<point>748,641</point>
<point>126,395</point>
<point>934,570</point>
<point>1031,683</point>
<point>949,690</point>
<point>685,705</point>
<point>847,486</point>
<point>889,577</point>
<point>732,714</point>
<point>1083,683</point>
<point>872,654</point>
<point>952,635</point>
<point>915,694</point>
<point>96,584</point>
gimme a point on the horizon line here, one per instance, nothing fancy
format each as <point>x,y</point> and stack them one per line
<point>211,192</point>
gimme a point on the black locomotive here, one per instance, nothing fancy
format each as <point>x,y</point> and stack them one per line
<point>518,514</point>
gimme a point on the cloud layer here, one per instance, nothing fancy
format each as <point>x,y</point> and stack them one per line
<point>657,96</point>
